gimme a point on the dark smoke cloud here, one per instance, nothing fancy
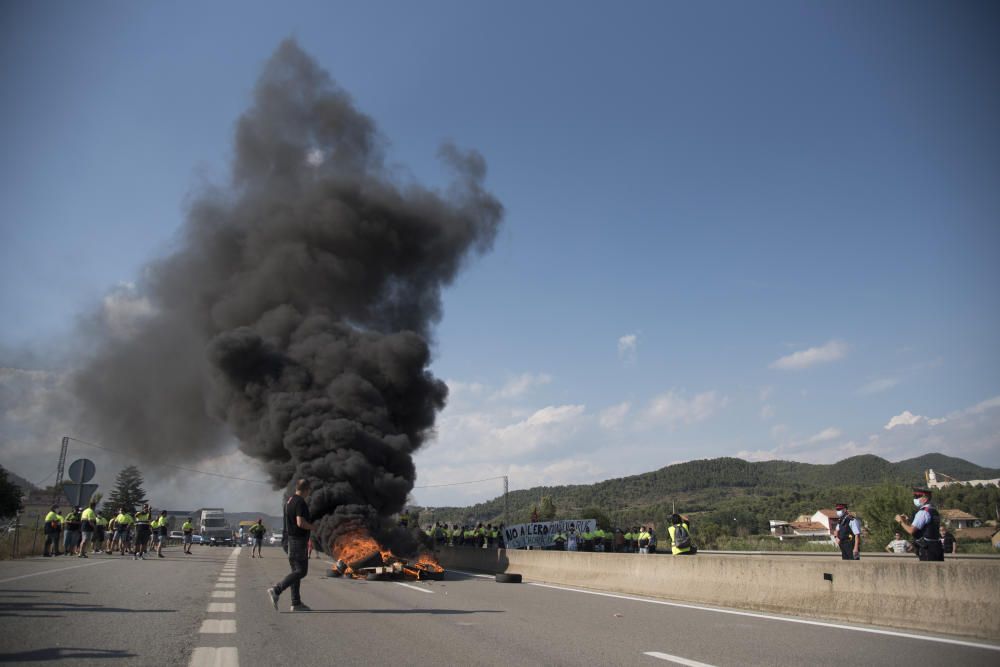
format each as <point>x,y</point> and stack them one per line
<point>297,308</point>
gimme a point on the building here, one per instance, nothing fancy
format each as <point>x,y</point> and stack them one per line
<point>826,518</point>
<point>957,519</point>
<point>800,530</point>
<point>933,482</point>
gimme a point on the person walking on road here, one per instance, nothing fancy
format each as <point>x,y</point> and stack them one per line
<point>188,530</point>
<point>948,542</point>
<point>163,529</point>
<point>71,536</point>
<point>51,547</point>
<point>848,534</point>
<point>298,525</point>
<point>257,533</point>
<point>122,523</point>
<point>926,526</point>
<point>142,532</point>
<point>88,524</point>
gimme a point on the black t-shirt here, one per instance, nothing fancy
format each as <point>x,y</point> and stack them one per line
<point>947,542</point>
<point>295,507</point>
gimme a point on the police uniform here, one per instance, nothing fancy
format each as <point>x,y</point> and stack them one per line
<point>926,528</point>
<point>848,533</point>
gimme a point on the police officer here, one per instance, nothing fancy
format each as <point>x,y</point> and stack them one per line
<point>559,541</point>
<point>848,533</point>
<point>925,528</point>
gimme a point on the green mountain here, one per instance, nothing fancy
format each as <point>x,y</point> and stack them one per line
<point>735,494</point>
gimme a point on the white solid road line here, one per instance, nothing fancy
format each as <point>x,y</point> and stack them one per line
<point>61,569</point>
<point>674,658</point>
<point>223,594</point>
<point>224,585</point>
<point>216,626</point>
<point>786,619</point>
<point>416,588</point>
<point>208,656</point>
<point>221,608</point>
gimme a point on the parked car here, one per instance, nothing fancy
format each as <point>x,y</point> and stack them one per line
<point>275,538</point>
<point>196,539</point>
<point>176,535</point>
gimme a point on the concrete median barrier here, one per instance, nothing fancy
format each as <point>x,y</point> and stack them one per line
<point>955,597</point>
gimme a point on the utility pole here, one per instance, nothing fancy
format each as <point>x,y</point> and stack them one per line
<point>61,469</point>
<point>506,489</point>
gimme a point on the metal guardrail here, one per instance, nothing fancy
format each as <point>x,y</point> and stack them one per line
<point>836,554</point>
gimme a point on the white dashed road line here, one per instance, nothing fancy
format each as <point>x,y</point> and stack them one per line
<point>206,656</point>
<point>224,656</point>
<point>416,588</point>
<point>218,626</point>
<point>61,569</point>
<point>677,660</point>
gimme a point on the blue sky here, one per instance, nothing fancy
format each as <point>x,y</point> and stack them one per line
<point>693,194</point>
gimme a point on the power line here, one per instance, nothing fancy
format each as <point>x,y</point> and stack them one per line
<point>474,481</point>
<point>169,465</point>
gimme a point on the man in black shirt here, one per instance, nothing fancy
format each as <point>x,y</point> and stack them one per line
<point>298,525</point>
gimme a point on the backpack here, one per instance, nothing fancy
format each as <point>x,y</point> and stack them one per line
<point>682,538</point>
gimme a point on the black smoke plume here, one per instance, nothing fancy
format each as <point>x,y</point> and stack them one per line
<point>297,308</point>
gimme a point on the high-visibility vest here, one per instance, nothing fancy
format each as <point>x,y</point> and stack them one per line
<point>187,527</point>
<point>124,520</point>
<point>101,521</point>
<point>142,518</point>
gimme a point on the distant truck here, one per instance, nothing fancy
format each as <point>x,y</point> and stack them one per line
<point>214,531</point>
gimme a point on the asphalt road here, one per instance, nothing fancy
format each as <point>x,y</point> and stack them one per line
<point>210,609</point>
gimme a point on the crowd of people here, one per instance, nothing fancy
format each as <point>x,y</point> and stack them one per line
<point>83,530</point>
<point>636,539</point>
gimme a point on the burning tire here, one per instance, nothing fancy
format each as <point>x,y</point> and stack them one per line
<point>506,578</point>
<point>377,576</point>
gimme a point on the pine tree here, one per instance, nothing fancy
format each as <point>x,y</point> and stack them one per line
<point>10,496</point>
<point>128,493</point>
<point>547,511</point>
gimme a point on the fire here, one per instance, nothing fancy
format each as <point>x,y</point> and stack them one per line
<point>358,554</point>
<point>357,547</point>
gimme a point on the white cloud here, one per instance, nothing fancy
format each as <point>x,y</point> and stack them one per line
<point>628,347</point>
<point>674,408</point>
<point>825,435</point>
<point>521,384</point>
<point>832,351</point>
<point>123,310</point>
<point>878,386</point>
<point>613,416</point>
<point>766,411</point>
<point>315,157</point>
<point>905,418</point>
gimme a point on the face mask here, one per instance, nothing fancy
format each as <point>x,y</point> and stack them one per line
<point>840,514</point>
<point>916,502</point>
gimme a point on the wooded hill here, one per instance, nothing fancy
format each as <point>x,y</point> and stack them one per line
<point>738,495</point>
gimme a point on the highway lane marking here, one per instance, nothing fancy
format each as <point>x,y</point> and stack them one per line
<point>218,626</point>
<point>416,588</point>
<point>221,608</point>
<point>678,660</point>
<point>210,656</point>
<point>227,579</point>
<point>802,621</point>
<point>61,569</point>
<point>223,594</point>
<point>224,585</point>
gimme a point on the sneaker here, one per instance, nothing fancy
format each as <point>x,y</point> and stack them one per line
<point>300,607</point>
<point>161,555</point>
<point>272,595</point>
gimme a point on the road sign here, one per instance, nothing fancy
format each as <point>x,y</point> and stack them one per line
<point>82,470</point>
<point>79,495</point>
